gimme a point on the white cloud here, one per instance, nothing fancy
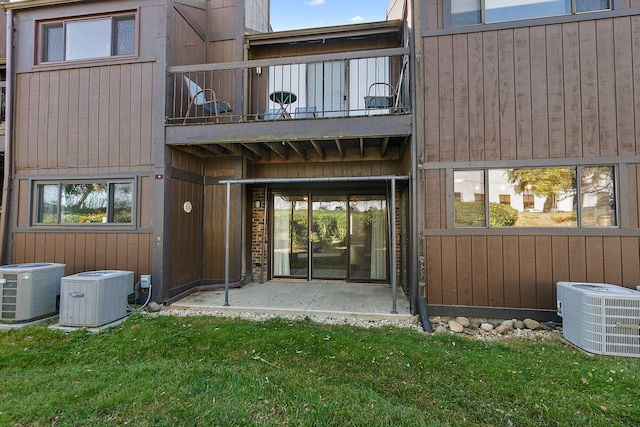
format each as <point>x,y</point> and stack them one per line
<point>315,2</point>
<point>357,18</point>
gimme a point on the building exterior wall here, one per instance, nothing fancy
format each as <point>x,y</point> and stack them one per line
<point>528,94</point>
<point>89,120</point>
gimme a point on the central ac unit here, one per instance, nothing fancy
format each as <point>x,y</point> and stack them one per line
<point>94,298</point>
<point>600,318</point>
<point>29,291</point>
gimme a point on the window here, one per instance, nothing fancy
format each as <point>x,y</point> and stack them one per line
<point>582,196</point>
<point>469,210</point>
<point>468,12</point>
<point>84,202</point>
<point>99,37</point>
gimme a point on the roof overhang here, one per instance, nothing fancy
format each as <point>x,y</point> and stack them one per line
<point>28,4</point>
<point>309,35</point>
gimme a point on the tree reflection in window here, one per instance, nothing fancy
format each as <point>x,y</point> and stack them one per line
<point>540,197</point>
<point>85,202</point>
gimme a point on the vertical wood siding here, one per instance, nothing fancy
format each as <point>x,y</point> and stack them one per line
<point>534,94</point>
<point>185,234</point>
<point>554,91</point>
<point>85,120</point>
<point>521,271</point>
<point>92,120</point>
<point>86,251</point>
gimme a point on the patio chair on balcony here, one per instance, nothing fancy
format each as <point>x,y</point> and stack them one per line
<point>378,101</point>
<point>198,97</point>
<point>305,113</point>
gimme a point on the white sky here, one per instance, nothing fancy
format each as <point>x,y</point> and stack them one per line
<point>297,14</point>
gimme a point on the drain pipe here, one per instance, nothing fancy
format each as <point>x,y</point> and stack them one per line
<point>8,152</point>
<point>424,317</point>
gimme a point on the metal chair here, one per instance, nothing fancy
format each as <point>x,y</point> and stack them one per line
<point>198,97</point>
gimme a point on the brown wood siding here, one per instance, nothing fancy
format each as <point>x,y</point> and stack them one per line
<point>86,251</point>
<point>188,46</point>
<point>530,94</point>
<point>553,91</point>
<point>185,235</point>
<point>85,120</point>
<point>325,169</point>
<point>214,221</point>
<point>521,271</point>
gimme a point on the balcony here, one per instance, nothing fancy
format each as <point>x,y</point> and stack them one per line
<point>359,98</point>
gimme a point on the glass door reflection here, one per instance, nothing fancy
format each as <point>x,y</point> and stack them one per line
<point>329,237</point>
<point>368,238</point>
<point>290,236</point>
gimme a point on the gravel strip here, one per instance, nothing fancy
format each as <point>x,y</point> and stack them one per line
<point>548,333</point>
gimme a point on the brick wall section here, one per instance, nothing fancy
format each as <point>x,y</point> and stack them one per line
<point>257,232</point>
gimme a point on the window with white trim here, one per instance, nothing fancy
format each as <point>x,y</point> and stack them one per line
<point>469,12</point>
<point>88,38</point>
<point>84,202</point>
<point>565,196</point>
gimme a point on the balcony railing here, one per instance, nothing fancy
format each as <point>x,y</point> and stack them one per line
<point>309,87</point>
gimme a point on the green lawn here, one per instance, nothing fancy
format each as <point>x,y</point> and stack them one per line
<point>207,371</point>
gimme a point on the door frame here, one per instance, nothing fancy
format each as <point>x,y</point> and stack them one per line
<point>345,195</point>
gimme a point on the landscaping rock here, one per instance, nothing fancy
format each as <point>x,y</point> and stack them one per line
<point>463,321</point>
<point>440,330</point>
<point>504,327</point>
<point>487,327</point>
<point>154,307</point>
<point>455,326</point>
<point>531,324</point>
<point>475,323</point>
<point>518,324</point>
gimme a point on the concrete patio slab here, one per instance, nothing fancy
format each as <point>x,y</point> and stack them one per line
<point>315,298</point>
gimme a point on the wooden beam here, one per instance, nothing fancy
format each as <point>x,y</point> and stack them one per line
<point>193,150</point>
<point>279,149</point>
<point>340,148</point>
<point>319,149</point>
<point>257,149</point>
<point>214,149</point>
<point>404,145</point>
<point>298,148</point>
<point>233,148</point>
<point>361,147</point>
<point>383,148</point>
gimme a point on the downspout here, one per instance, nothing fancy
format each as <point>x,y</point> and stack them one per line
<point>418,197</point>
<point>8,152</point>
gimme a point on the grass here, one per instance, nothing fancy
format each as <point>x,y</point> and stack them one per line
<point>208,371</point>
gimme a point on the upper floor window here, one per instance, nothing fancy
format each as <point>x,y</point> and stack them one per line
<point>78,202</point>
<point>467,12</point>
<point>91,38</point>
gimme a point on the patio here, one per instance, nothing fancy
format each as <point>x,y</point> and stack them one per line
<point>315,298</point>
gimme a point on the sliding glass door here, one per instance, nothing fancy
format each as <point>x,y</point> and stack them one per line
<point>290,236</point>
<point>330,237</point>
<point>368,238</point>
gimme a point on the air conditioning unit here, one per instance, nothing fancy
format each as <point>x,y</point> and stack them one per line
<point>94,298</point>
<point>29,291</point>
<point>600,318</point>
